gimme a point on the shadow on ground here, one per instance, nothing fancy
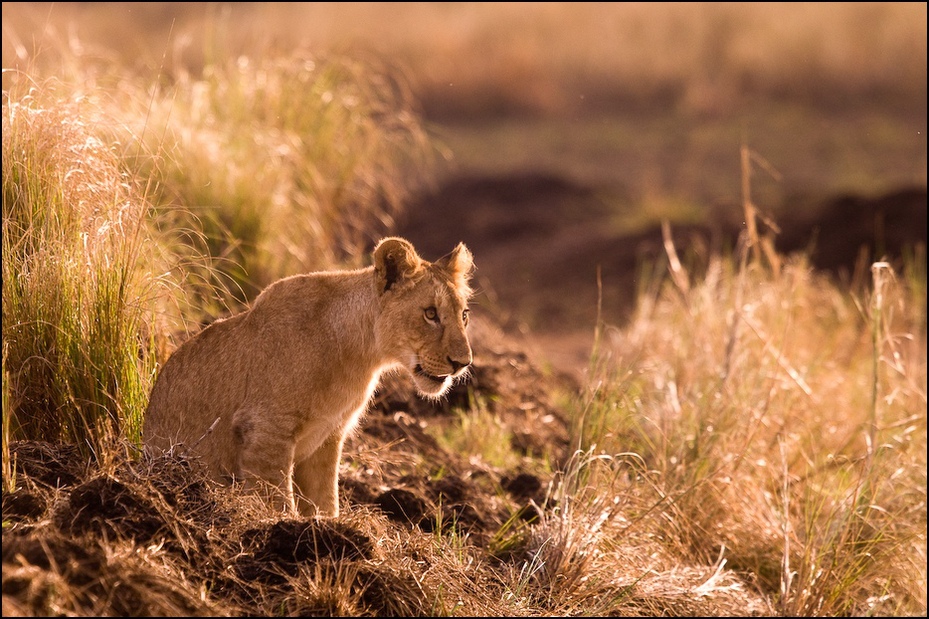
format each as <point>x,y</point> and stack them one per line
<point>550,254</point>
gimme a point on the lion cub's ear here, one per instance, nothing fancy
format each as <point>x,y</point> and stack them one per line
<point>395,261</point>
<point>459,264</point>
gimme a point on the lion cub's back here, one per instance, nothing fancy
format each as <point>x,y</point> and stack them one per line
<point>205,378</point>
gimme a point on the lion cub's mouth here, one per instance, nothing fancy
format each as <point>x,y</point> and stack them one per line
<point>421,372</point>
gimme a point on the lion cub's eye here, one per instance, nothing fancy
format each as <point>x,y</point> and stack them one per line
<point>431,314</point>
<point>465,316</point>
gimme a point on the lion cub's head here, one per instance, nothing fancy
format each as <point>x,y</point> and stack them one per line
<point>424,312</point>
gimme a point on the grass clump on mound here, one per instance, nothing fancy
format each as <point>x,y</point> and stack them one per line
<point>80,276</point>
<point>282,164</point>
<point>133,209</point>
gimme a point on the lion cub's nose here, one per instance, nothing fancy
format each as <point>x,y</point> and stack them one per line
<point>458,365</point>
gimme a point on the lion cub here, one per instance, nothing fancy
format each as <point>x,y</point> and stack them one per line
<point>270,394</point>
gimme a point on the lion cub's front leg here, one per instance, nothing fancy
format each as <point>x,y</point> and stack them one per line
<point>265,459</point>
<point>317,478</point>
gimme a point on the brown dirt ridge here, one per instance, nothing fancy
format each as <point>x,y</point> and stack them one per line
<point>131,536</point>
<point>134,536</point>
<point>542,239</point>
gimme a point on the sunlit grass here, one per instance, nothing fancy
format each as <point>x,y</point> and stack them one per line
<point>282,165</point>
<point>249,171</point>
<point>554,57</point>
<point>80,276</point>
<point>752,421</point>
<point>481,434</point>
<point>782,423</point>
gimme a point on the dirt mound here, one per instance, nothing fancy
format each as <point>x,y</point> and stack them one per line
<point>841,230</point>
<point>135,536</point>
<point>540,240</point>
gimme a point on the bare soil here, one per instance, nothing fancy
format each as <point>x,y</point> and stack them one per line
<point>123,536</point>
<point>551,260</point>
<point>130,536</point>
<point>93,529</point>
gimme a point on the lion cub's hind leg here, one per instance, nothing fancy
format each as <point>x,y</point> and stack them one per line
<point>264,460</point>
<point>317,478</point>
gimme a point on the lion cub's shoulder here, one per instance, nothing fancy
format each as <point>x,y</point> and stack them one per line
<point>271,393</point>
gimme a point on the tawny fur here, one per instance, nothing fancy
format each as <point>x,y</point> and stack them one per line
<point>283,383</point>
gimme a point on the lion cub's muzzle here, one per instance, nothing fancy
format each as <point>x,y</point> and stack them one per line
<point>435,383</point>
<point>457,369</point>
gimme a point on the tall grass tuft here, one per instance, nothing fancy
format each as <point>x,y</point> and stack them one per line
<point>134,208</point>
<point>79,281</point>
<point>560,554</point>
<point>282,164</point>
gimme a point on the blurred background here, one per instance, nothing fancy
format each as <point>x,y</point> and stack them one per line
<point>562,134</point>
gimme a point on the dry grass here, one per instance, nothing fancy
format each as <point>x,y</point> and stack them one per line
<point>316,154</point>
<point>483,59</point>
<point>647,100</point>
<point>133,209</point>
<point>781,425</point>
<point>753,442</point>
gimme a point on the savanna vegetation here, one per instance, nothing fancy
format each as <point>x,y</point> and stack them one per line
<point>750,440</point>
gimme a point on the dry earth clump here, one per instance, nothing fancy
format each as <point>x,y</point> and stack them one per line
<point>129,536</point>
<point>426,529</point>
